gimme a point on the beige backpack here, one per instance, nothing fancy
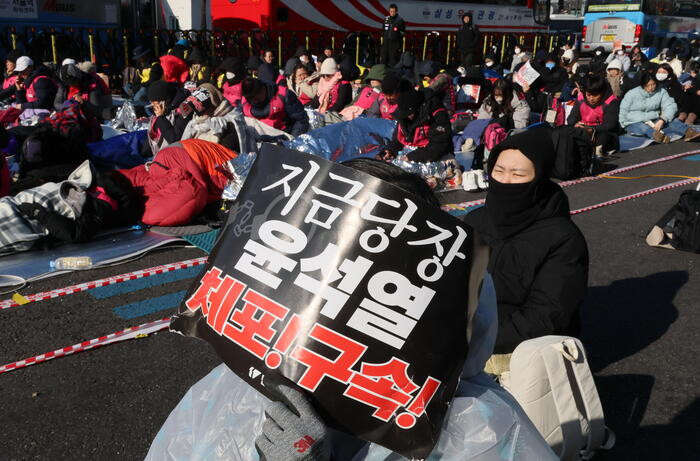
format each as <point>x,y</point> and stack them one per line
<point>550,378</point>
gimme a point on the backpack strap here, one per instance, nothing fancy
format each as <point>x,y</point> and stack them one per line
<point>564,401</point>
<point>569,349</point>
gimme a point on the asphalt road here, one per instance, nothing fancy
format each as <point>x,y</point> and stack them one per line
<point>640,321</point>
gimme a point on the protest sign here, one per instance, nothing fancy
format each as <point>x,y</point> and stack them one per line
<point>344,286</point>
<point>526,75</point>
<point>470,93</point>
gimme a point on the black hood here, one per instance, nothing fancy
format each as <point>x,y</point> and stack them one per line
<point>512,208</point>
<point>535,144</point>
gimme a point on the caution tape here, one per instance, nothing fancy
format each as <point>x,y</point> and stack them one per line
<point>23,300</point>
<point>465,205</point>
<point>672,185</point>
<point>118,336</point>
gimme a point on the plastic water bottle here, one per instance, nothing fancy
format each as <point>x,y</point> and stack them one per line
<point>71,262</point>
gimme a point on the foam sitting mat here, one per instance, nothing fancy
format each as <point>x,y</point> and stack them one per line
<point>103,250</point>
<point>205,241</point>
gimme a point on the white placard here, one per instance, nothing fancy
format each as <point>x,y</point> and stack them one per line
<point>526,75</point>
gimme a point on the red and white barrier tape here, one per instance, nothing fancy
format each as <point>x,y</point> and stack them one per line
<point>158,325</point>
<point>123,335</point>
<point>465,205</point>
<point>4,304</point>
<point>637,195</point>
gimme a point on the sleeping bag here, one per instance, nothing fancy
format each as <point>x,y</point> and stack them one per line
<point>180,181</point>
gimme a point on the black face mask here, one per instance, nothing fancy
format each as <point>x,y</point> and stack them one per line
<point>511,207</point>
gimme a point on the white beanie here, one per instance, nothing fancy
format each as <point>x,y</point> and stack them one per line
<point>68,61</point>
<point>615,64</point>
<point>329,67</point>
<point>22,63</point>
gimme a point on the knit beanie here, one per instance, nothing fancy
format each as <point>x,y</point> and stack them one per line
<point>160,91</point>
<point>329,67</point>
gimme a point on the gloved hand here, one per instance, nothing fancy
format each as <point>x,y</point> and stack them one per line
<point>33,211</point>
<point>292,430</point>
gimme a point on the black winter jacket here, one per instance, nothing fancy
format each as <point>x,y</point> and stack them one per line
<point>540,275</point>
<point>468,37</point>
<point>439,131</point>
<point>394,28</point>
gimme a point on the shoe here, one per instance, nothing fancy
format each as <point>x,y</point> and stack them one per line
<point>659,137</point>
<point>468,145</point>
<point>469,181</point>
<point>691,134</point>
<point>599,151</point>
<point>481,180</point>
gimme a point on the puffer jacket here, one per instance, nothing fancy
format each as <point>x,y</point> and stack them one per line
<point>521,111</point>
<point>640,106</point>
<point>182,179</point>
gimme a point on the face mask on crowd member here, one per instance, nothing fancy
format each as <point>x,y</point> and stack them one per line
<point>488,63</point>
<point>661,74</point>
<point>598,52</point>
<point>550,65</point>
<point>519,185</point>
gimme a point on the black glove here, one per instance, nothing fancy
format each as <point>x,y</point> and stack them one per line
<point>33,211</point>
<point>292,430</point>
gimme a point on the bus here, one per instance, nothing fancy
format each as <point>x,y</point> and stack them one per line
<point>507,16</point>
<point>651,24</point>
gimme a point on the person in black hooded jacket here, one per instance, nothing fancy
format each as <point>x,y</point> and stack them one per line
<point>423,123</point>
<point>539,258</point>
<point>467,39</point>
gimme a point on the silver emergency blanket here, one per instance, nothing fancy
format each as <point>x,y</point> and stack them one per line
<point>126,118</point>
<point>316,119</point>
<point>238,168</point>
<point>220,416</point>
<point>437,174</point>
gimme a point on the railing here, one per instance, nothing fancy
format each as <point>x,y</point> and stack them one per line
<point>111,49</point>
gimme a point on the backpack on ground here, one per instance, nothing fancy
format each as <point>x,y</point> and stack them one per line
<point>575,153</point>
<point>679,228</point>
<point>551,380</point>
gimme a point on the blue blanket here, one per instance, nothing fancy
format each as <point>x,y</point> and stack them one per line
<point>120,151</point>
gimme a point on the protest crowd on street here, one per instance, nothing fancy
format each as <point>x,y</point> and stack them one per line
<point>391,267</point>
